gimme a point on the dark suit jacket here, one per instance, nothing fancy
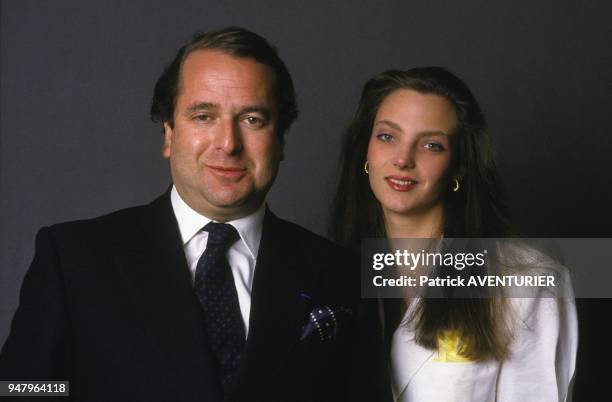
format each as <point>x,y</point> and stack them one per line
<point>108,304</point>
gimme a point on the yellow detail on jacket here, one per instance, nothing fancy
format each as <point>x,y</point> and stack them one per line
<point>450,348</point>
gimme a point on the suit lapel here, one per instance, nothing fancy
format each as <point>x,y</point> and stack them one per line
<point>278,309</point>
<point>156,278</point>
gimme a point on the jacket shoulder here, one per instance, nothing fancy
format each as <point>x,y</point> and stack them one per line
<point>116,228</point>
<point>119,218</point>
<point>311,241</point>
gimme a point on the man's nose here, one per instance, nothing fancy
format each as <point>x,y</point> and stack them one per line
<point>227,137</point>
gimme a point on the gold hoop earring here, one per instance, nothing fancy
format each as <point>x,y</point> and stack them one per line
<point>365,167</point>
<point>455,185</point>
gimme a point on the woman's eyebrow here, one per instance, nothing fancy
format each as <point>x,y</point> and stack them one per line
<point>395,126</point>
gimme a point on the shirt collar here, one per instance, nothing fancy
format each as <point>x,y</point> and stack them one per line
<point>191,222</point>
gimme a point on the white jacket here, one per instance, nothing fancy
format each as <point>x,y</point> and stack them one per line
<point>540,366</point>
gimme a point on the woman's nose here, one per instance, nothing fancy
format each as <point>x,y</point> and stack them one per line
<point>405,157</point>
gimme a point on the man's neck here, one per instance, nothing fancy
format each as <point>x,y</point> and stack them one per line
<point>217,214</point>
<point>191,221</point>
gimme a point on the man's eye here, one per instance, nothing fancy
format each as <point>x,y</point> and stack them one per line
<point>254,121</point>
<point>434,146</point>
<point>203,117</point>
<point>384,137</point>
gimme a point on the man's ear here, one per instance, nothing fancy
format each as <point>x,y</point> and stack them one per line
<point>167,140</point>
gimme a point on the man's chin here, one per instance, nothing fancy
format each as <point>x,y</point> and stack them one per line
<point>227,201</point>
<point>234,208</point>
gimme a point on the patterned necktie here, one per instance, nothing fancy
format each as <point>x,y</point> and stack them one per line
<point>215,289</point>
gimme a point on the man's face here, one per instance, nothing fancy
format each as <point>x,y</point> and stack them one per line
<point>224,149</point>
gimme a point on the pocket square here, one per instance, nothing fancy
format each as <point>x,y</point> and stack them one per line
<point>324,321</point>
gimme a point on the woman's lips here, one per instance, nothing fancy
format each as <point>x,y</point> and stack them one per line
<point>227,171</point>
<point>401,183</point>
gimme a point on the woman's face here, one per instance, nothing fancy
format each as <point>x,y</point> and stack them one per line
<point>410,152</point>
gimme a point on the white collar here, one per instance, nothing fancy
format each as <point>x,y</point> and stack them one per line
<point>191,222</point>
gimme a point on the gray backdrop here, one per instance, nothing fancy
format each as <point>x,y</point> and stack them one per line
<point>77,78</point>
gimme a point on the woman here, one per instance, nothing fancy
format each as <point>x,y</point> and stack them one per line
<point>417,162</point>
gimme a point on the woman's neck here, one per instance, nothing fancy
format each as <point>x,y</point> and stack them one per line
<point>427,224</point>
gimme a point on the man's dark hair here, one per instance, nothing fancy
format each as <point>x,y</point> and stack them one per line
<point>233,41</point>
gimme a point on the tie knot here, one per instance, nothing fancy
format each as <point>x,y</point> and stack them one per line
<point>221,234</point>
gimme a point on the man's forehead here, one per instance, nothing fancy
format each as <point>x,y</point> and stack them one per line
<point>216,74</point>
<point>215,64</point>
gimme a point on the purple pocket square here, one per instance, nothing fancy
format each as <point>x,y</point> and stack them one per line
<point>323,321</point>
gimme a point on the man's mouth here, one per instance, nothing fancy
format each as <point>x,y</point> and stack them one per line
<point>227,171</point>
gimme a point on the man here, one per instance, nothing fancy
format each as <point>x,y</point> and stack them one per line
<point>202,295</point>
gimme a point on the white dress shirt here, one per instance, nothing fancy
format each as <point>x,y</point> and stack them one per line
<point>242,255</point>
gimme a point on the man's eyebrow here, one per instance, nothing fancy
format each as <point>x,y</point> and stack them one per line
<point>200,106</point>
<point>395,126</point>
<point>209,106</point>
<point>265,111</point>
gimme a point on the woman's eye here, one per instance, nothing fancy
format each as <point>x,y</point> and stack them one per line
<point>434,146</point>
<point>384,137</point>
